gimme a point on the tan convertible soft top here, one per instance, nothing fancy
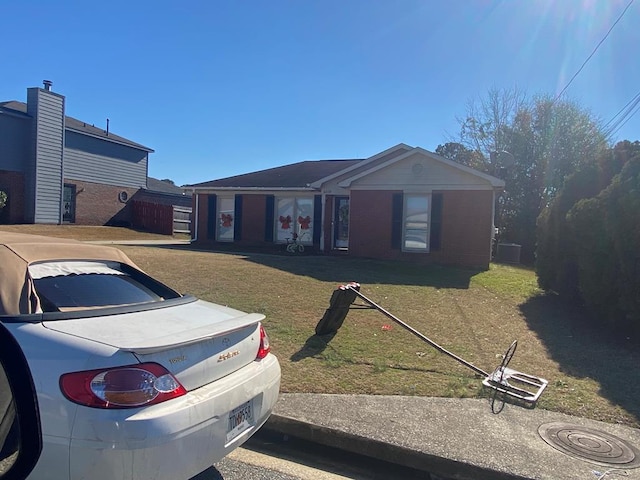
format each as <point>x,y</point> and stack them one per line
<point>18,250</point>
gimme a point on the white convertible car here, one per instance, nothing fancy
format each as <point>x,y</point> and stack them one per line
<point>115,375</point>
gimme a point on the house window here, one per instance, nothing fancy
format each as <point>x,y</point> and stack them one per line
<point>294,215</point>
<point>226,219</point>
<point>416,223</point>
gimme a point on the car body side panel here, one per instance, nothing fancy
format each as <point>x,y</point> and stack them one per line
<point>50,354</point>
<point>53,463</point>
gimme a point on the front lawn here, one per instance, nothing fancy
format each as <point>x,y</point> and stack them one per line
<point>475,315</point>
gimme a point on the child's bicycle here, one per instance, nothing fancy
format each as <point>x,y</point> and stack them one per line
<point>294,245</point>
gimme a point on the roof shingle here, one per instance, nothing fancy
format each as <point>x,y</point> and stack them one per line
<point>75,124</point>
<point>296,175</point>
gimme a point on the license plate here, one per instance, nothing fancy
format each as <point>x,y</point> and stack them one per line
<point>240,419</point>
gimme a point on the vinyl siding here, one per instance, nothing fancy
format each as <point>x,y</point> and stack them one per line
<point>14,142</point>
<point>419,172</point>
<point>94,160</point>
<point>47,110</point>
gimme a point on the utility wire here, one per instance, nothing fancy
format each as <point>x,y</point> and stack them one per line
<point>629,115</point>
<point>621,110</point>
<point>594,51</point>
<point>625,114</point>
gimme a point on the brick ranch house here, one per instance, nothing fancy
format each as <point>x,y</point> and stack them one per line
<point>57,169</point>
<point>404,203</point>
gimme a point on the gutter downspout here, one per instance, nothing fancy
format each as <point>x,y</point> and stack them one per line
<point>493,225</point>
<point>195,223</point>
<point>324,203</point>
<point>61,205</point>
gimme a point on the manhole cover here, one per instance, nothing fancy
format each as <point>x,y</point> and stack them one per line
<point>590,445</point>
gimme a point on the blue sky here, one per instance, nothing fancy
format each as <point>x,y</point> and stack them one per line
<point>219,88</point>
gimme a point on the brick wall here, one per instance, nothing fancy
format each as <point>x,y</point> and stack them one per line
<point>12,183</point>
<point>98,204</point>
<point>370,224</point>
<point>466,228</point>
<point>202,211</point>
<point>253,219</point>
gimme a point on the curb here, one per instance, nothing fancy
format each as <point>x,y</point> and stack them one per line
<point>442,467</point>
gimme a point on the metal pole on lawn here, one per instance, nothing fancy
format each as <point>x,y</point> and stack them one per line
<point>419,335</point>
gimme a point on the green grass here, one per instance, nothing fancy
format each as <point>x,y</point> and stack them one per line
<point>516,282</point>
<point>476,315</point>
<point>88,233</point>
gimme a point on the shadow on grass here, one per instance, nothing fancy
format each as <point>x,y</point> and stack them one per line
<point>584,350</point>
<point>342,270</point>
<point>314,345</point>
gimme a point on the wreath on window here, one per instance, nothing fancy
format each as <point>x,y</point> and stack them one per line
<point>304,222</point>
<point>285,222</point>
<point>226,219</point>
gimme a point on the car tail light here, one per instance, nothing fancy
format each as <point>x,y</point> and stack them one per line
<point>122,387</point>
<point>265,346</point>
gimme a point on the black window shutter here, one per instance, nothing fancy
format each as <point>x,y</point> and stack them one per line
<point>237,224</point>
<point>396,220</point>
<point>317,218</point>
<point>435,235</point>
<point>268,218</point>
<point>212,216</point>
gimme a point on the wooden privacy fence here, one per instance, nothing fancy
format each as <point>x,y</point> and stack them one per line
<point>159,218</point>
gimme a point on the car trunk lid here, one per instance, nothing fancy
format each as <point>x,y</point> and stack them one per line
<point>198,342</point>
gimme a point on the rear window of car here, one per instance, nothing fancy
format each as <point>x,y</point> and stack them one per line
<point>68,286</point>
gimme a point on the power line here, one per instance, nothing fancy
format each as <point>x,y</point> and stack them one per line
<point>606,125</point>
<point>629,114</point>
<point>594,51</point>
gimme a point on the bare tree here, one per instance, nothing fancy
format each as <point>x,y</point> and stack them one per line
<point>546,141</point>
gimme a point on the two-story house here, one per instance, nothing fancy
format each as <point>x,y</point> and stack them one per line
<point>57,169</point>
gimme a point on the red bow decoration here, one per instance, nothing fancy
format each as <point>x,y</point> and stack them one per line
<point>226,219</point>
<point>285,222</point>
<point>304,222</point>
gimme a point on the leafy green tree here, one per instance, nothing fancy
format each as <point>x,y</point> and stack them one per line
<point>547,139</point>
<point>3,199</point>
<point>588,238</point>
<point>556,261</point>
<point>459,153</point>
<point>606,230</point>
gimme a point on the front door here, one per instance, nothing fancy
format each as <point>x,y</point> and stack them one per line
<point>341,223</point>
<point>69,203</point>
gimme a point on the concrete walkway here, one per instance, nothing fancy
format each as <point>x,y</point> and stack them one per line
<point>461,438</point>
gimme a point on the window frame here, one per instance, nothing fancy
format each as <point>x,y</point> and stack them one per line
<point>406,197</point>
<point>295,225</point>
<point>220,201</point>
